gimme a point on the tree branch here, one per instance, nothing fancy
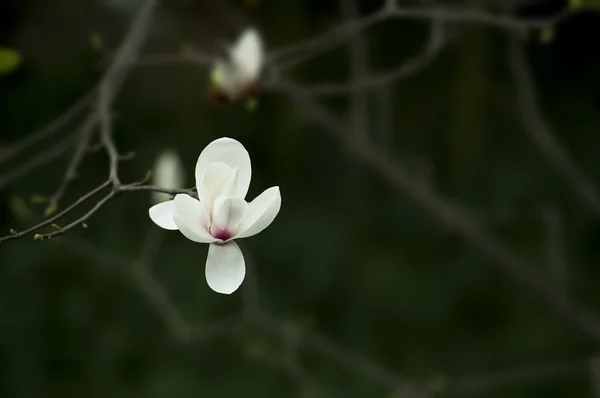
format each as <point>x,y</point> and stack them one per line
<point>111,195</point>
<point>37,161</point>
<point>540,132</point>
<point>416,64</point>
<point>532,374</point>
<point>319,44</point>
<point>499,254</point>
<point>48,130</point>
<point>359,57</point>
<point>85,135</point>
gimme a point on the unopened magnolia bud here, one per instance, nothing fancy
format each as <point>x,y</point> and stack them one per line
<point>233,77</point>
<point>168,173</point>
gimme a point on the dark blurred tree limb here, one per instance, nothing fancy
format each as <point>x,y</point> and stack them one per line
<point>540,132</point>
<point>113,191</point>
<point>294,337</point>
<point>107,91</point>
<point>47,131</point>
<point>85,135</point>
<point>374,80</point>
<point>40,159</point>
<point>310,48</point>
<point>359,68</point>
<point>109,87</point>
<point>452,218</point>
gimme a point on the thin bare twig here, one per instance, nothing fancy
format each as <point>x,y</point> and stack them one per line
<point>414,65</point>
<point>48,130</point>
<point>541,133</point>
<point>539,373</point>
<point>136,187</point>
<point>159,297</point>
<point>341,355</point>
<point>58,216</point>
<point>138,271</point>
<point>108,197</point>
<point>108,88</point>
<point>126,55</point>
<point>37,161</point>
<point>106,135</point>
<point>319,44</point>
<point>359,57</point>
<point>498,253</point>
<point>85,135</point>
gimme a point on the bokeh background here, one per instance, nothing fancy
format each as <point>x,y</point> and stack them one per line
<point>361,292</point>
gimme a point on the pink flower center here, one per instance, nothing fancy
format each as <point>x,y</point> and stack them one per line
<point>222,234</point>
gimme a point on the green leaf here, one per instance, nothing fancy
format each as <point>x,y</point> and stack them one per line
<point>56,227</point>
<point>9,60</point>
<point>38,237</point>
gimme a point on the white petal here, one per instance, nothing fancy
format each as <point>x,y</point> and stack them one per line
<point>227,214</point>
<point>215,177</point>
<point>230,186</point>
<point>247,55</point>
<point>233,154</point>
<point>190,219</point>
<point>261,213</point>
<point>162,215</point>
<point>225,267</point>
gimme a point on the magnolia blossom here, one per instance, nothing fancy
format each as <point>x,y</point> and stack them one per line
<point>237,76</point>
<point>168,173</point>
<point>221,214</point>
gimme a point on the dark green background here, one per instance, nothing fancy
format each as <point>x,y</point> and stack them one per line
<point>347,257</point>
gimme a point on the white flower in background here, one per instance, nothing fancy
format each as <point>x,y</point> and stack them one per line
<point>237,77</point>
<point>221,214</point>
<point>168,173</point>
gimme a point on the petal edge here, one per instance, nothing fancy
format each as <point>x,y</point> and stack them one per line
<point>261,213</point>
<point>232,153</point>
<point>162,215</point>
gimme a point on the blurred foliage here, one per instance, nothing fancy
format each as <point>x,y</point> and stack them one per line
<point>9,60</point>
<point>348,256</point>
<point>585,4</point>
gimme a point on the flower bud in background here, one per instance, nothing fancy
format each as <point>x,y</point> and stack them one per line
<point>237,77</point>
<point>168,173</point>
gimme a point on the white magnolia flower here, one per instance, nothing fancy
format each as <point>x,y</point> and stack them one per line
<point>168,173</point>
<point>238,76</point>
<point>221,214</point>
